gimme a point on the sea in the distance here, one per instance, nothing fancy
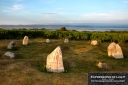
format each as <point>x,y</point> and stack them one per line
<point>78,27</point>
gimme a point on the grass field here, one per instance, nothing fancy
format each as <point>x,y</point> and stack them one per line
<point>79,58</point>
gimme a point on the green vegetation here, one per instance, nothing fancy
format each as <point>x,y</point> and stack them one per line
<point>61,34</point>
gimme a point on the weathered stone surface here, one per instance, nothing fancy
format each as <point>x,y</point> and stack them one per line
<point>94,42</point>
<point>47,40</point>
<point>8,55</point>
<point>115,51</point>
<point>54,61</point>
<point>11,45</point>
<point>102,65</point>
<point>118,54</point>
<point>25,40</point>
<point>66,40</point>
<point>112,49</point>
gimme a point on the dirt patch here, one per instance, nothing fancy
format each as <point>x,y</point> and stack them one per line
<point>81,50</point>
<point>64,48</point>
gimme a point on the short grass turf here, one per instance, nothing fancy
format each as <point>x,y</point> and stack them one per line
<point>79,58</point>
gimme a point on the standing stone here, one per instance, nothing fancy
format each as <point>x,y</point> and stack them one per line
<point>118,54</point>
<point>94,42</point>
<point>112,49</point>
<point>47,40</point>
<point>11,45</point>
<point>66,41</point>
<point>54,61</point>
<point>8,55</point>
<point>115,51</point>
<point>25,40</point>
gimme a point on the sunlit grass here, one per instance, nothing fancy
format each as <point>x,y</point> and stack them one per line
<point>79,58</point>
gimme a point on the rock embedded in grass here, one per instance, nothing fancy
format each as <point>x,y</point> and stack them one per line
<point>47,40</point>
<point>94,42</point>
<point>25,40</point>
<point>102,65</point>
<point>66,40</point>
<point>8,55</point>
<point>11,45</point>
<point>54,61</point>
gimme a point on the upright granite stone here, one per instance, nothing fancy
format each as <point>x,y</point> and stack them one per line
<point>25,40</point>
<point>54,61</point>
<point>47,40</point>
<point>115,51</point>
<point>112,49</point>
<point>8,55</point>
<point>66,40</point>
<point>11,45</point>
<point>118,54</point>
<point>94,42</point>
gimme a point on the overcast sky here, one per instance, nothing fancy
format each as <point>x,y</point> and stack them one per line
<point>63,11</point>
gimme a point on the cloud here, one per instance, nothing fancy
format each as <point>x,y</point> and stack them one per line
<point>125,1</point>
<point>50,1</point>
<point>6,10</point>
<point>53,13</point>
<point>49,13</point>
<point>97,15</point>
<point>17,7</point>
<point>18,0</point>
<point>106,17</point>
<point>59,8</point>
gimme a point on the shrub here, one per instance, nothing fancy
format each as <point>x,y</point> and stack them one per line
<point>63,29</point>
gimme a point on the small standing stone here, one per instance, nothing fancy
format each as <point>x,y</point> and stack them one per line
<point>94,42</point>
<point>11,45</point>
<point>47,40</point>
<point>25,40</point>
<point>8,55</point>
<point>66,41</point>
<point>54,61</point>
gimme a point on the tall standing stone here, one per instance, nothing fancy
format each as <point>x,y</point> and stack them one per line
<point>115,51</point>
<point>25,40</point>
<point>118,54</point>
<point>112,49</point>
<point>11,45</point>
<point>54,61</point>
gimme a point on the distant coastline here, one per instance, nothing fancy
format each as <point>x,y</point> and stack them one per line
<point>78,27</point>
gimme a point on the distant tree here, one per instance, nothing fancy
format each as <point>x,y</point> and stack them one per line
<point>43,28</point>
<point>74,30</point>
<point>63,29</point>
<point>22,29</point>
